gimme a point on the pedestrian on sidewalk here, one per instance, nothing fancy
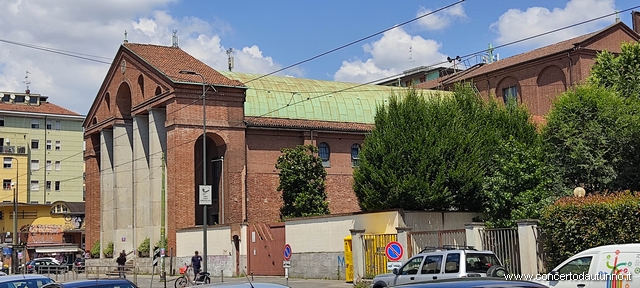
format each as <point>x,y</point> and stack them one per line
<point>195,264</point>
<point>121,260</point>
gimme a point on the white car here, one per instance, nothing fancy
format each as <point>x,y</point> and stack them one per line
<point>443,263</point>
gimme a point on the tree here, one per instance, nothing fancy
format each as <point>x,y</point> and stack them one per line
<point>302,182</point>
<point>522,185</point>
<point>621,73</point>
<point>591,136</point>
<point>435,153</point>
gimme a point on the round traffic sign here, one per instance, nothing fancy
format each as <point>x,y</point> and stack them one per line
<point>393,251</point>
<point>287,252</point>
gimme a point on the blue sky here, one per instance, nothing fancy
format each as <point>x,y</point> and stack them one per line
<point>269,35</point>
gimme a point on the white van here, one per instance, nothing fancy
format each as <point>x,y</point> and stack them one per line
<point>611,266</point>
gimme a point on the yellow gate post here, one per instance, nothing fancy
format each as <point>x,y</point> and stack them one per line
<point>348,259</point>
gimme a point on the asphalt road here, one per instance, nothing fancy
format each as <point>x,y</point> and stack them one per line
<point>146,281</point>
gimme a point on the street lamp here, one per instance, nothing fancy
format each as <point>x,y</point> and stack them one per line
<point>14,253</point>
<point>204,165</point>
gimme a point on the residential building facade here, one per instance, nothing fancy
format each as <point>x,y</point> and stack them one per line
<point>49,138</point>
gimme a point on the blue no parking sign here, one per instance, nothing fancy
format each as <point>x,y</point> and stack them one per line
<point>393,251</point>
<point>287,252</point>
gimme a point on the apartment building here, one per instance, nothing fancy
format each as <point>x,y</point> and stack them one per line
<point>46,140</point>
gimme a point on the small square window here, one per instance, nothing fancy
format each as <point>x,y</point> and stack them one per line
<point>35,144</point>
<point>48,185</point>
<point>49,144</point>
<point>57,184</point>
<point>7,162</point>
<point>35,165</point>
<point>57,145</point>
<point>49,166</point>
<point>510,94</point>
<point>58,126</point>
<point>324,152</point>
<point>35,123</point>
<point>57,165</point>
<point>35,186</point>
<point>49,125</point>
<point>6,184</point>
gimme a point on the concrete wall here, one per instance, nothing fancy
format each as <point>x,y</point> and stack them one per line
<point>317,244</point>
<point>220,249</point>
<point>433,221</point>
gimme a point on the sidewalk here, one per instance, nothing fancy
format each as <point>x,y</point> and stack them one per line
<point>145,281</point>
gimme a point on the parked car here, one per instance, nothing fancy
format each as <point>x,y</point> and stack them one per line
<point>24,281</point>
<point>473,283</point>
<point>78,265</point>
<point>99,283</point>
<point>445,262</point>
<point>45,266</point>
<point>594,268</point>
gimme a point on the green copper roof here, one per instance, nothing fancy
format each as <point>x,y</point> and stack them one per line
<point>308,99</point>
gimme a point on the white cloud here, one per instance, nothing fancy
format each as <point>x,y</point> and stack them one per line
<point>441,19</point>
<point>516,24</point>
<point>97,28</point>
<point>395,52</point>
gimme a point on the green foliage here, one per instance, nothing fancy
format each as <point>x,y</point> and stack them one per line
<point>302,182</point>
<point>95,250</point>
<point>521,185</point>
<point>591,136</point>
<point>108,251</point>
<point>621,73</point>
<point>162,242</point>
<point>144,246</point>
<point>435,153</point>
<point>575,224</point>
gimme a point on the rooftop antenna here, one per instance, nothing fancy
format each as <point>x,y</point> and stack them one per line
<point>174,39</point>
<point>411,54</point>
<point>230,56</point>
<point>27,82</point>
<point>455,68</point>
<point>125,37</point>
<point>490,53</point>
<point>617,17</point>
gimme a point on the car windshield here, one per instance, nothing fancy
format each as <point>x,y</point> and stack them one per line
<point>26,283</point>
<point>481,262</point>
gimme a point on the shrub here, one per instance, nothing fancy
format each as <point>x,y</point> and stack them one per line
<point>574,224</point>
<point>95,250</point>
<point>162,243</point>
<point>143,249</point>
<point>108,251</point>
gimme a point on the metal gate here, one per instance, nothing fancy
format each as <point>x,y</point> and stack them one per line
<point>504,243</point>
<point>265,245</point>
<point>375,261</point>
<point>418,240</point>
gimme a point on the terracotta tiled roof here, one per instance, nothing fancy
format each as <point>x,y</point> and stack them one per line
<point>559,47</point>
<point>307,124</point>
<point>43,108</point>
<point>171,60</point>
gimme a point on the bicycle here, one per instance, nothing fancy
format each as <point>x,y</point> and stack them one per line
<point>185,280</point>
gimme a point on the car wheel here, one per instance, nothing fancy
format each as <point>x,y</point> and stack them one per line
<point>379,284</point>
<point>497,271</point>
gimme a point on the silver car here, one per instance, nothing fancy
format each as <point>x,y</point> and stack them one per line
<point>443,263</point>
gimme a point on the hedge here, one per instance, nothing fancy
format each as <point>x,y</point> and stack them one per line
<point>574,224</point>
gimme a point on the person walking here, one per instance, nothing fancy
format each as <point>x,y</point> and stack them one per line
<point>196,260</point>
<point>121,260</point>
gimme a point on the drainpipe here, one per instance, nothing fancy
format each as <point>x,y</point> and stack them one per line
<point>570,69</point>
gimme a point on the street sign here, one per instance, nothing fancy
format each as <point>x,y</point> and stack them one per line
<point>287,252</point>
<point>205,195</point>
<point>391,265</point>
<point>393,251</point>
<point>286,264</point>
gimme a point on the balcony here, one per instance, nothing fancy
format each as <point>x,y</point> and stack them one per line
<point>13,149</point>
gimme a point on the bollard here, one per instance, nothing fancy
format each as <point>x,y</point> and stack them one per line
<point>251,276</point>
<point>222,275</point>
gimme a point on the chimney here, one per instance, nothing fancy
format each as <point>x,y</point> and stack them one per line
<point>635,20</point>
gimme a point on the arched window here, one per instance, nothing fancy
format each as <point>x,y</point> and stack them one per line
<point>355,155</point>
<point>324,152</point>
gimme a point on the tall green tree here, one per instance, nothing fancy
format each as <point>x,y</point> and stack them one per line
<point>435,153</point>
<point>591,136</point>
<point>302,182</point>
<point>621,73</point>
